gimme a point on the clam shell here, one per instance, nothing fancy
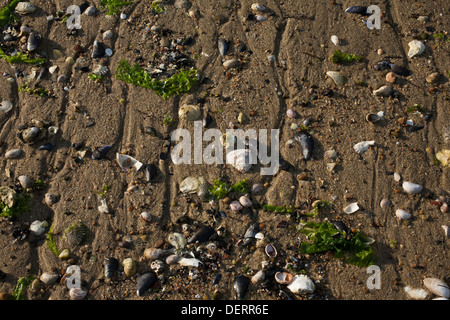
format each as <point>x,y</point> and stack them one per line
<point>385,203</point>
<point>351,208</point>
<point>252,231</point>
<point>235,206</point>
<point>153,253</point>
<point>146,216</point>
<point>258,277</point>
<point>363,146</point>
<point>271,251</point>
<point>374,117</point>
<point>6,106</point>
<point>257,7</point>
<point>384,91</point>
<point>291,114</point>
<point>126,161</point>
<point>437,286</point>
<point>190,112</point>
<point>306,142</point>
<point>129,267</point>
<point>77,294</point>
<point>202,235</point>
<point>402,214</point>
<point>145,282</point>
<point>301,284</point>
<point>25,7</point>
<point>25,182</point>
<point>33,41</point>
<point>241,159</point>
<point>335,40</point>
<point>284,277</point>
<point>415,48</point>
<point>108,34</point>
<point>260,17</point>
<point>337,78</point>
<point>411,187</point>
<point>90,11</point>
<point>240,286</point>
<point>13,154</point>
<point>245,201</point>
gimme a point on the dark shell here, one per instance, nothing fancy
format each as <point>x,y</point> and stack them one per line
<point>223,46</point>
<point>399,70</point>
<point>252,231</point>
<point>240,286</point>
<point>340,226</point>
<point>414,128</point>
<point>207,121</point>
<point>46,146</point>
<point>382,65</point>
<point>98,50</point>
<point>83,6</point>
<point>217,279</point>
<point>202,235</point>
<point>150,172</point>
<point>111,267</point>
<point>306,142</point>
<point>33,41</point>
<point>101,152</point>
<point>241,47</point>
<point>357,10</point>
<point>145,282</point>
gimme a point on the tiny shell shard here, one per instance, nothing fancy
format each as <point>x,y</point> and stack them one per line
<point>337,78</point>
<point>126,161</point>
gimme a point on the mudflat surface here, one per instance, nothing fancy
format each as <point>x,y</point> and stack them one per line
<point>112,112</point>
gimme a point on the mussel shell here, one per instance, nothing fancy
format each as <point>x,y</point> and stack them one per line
<point>382,65</point>
<point>202,235</point>
<point>150,172</point>
<point>306,142</point>
<point>207,120</point>
<point>111,267</point>
<point>252,231</point>
<point>223,46</point>
<point>240,286</point>
<point>98,50</point>
<point>145,282</point>
<point>357,10</point>
<point>33,41</point>
<point>46,146</point>
<point>340,226</point>
<point>399,70</point>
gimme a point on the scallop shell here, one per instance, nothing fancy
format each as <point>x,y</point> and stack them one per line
<point>283,277</point>
<point>411,187</point>
<point>76,234</point>
<point>437,286</point>
<point>301,284</point>
<point>6,106</point>
<point>77,294</point>
<point>245,201</point>
<point>145,282</point>
<point>190,112</point>
<point>241,159</point>
<point>335,40</point>
<point>177,240</point>
<point>13,154</point>
<point>235,206</point>
<point>240,286</point>
<point>126,161</point>
<point>129,267</point>
<point>258,277</point>
<point>257,7</point>
<point>337,78</point>
<point>351,208</point>
<point>416,294</point>
<point>25,7</point>
<point>384,91</point>
<point>415,48</point>
<point>402,214</point>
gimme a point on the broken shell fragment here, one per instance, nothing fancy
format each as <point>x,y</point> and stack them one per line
<point>374,117</point>
<point>258,277</point>
<point>189,262</point>
<point>411,188</point>
<point>384,91</point>
<point>190,112</point>
<point>189,185</point>
<point>415,48</point>
<point>416,294</point>
<point>402,214</point>
<point>241,159</point>
<point>25,182</point>
<point>337,78</point>
<point>443,157</point>
<point>33,41</point>
<point>351,208</point>
<point>301,284</point>
<point>271,251</point>
<point>437,286</point>
<point>283,277</point>
<point>126,161</point>
<point>433,77</point>
<point>363,146</point>
<point>306,142</point>
<point>177,240</point>
<point>446,230</point>
<point>335,40</point>
<point>223,46</point>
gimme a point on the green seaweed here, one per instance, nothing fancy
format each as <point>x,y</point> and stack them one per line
<point>168,120</point>
<point>315,211</point>
<point>340,57</point>
<point>179,83</point>
<point>414,108</point>
<point>326,238</point>
<point>113,6</point>
<point>21,206</point>
<point>50,241</point>
<point>278,209</point>
<point>242,186</point>
<point>21,286</point>
<point>221,189</point>
<point>95,77</point>
<point>157,7</point>
<point>7,13</point>
<point>40,92</point>
<point>20,58</point>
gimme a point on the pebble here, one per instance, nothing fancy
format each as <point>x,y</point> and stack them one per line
<point>433,77</point>
<point>13,154</point>
<point>390,77</point>
<point>108,35</point>
<point>230,64</point>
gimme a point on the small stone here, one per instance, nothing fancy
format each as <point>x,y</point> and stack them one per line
<point>50,199</point>
<point>65,254</point>
<point>390,77</point>
<point>233,63</point>
<point>380,51</point>
<point>242,118</point>
<point>433,77</point>
<point>108,35</point>
<point>13,154</point>
<point>25,181</point>
<point>90,11</point>
<point>291,114</point>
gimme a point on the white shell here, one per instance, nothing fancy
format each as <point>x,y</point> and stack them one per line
<point>6,106</point>
<point>77,294</point>
<point>153,253</point>
<point>397,177</point>
<point>260,17</point>
<point>301,284</point>
<point>335,40</point>
<point>351,208</point>
<point>189,185</point>
<point>415,48</point>
<point>240,159</point>
<point>385,203</point>
<point>189,262</point>
<point>38,227</point>
<point>402,214</point>
<point>25,7</point>
<point>101,70</point>
<point>49,278</point>
<point>235,206</point>
<point>291,114</point>
<point>123,16</point>
<point>245,201</point>
<point>258,277</point>
<point>258,7</point>
<point>363,146</point>
<point>446,230</point>
<point>411,188</point>
<point>126,161</point>
<point>13,154</point>
<point>190,112</point>
<point>177,240</point>
<point>52,69</point>
<point>437,286</point>
<point>52,130</point>
<point>103,208</point>
<point>417,294</point>
<point>383,91</point>
<point>146,216</point>
<point>337,77</point>
<point>444,157</point>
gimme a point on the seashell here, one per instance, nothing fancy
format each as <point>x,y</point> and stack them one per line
<point>271,251</point>
<point>33,41</point>
<point>283,277</point>
<point>111,267</point>
<point>252,231</point>
<point>416,294</point>
<point>374,117</point>
<point>337,78</point>
<point>341,226</point>
<point>258,277</point>
<point>52,130</point>
<point>50,199</point>
<point>385,203</point>
<point>241,159</point>
<point>257,188</point>
<point>446,230</point>
<point>13,154</point>
<point>25,182</point>
<point>64,254</point>
<point>260,17</point>
<point>202,235</point>
<point>335,40</point>
<point>331,166</point>
<point>232,63</point>
<point>126,161</point>
<point>402,214</point>
<point>240,286</point>
<point>98,50</point>
<point>444,207</point>
<point>351,208</point>
<point>76,234</point>
<point>46,146</point>
<point>38,227</point>
<point>108,34</point>
<point>77,294</point>
<point>25,7</point>
<point>145,282</point>
<point>129,267</point>
<point>363,146</point>
<point>301,284</point>
<point>194,13</point>
<point>415,48</point>
<point>123,16</point>
<point>397,177</point>
<point>6,106</point>
<point>291,114</point>
<point>190,112</point>
<point>433,77</point>
<point>190,185</point>
<point>399,70</point>
<point>101,70</point>
<point>245,201</point>
<point>235,206</point>
<point>223,46</point>
<point>357,10</point>
<point>30,134</point>
<point>443,157</point>
<point>150,172</point>
<point>52,69</point>
<point>49,278</point>
<point>154,253</point>
<point>172,259</point>
<point>189,262</point>
<point>90,11</point>
<point>390,77</point>
<point>157,266</point>
<point>306,142</point>
<point>177,240</point>
<point>109,52</point>
<point>8,196</point>
<point>411,188</point>
<point>257,7</point>
<point>207,121</point>
<point>146,216</point>
<point>384,91</point>
<point>437,286</point>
